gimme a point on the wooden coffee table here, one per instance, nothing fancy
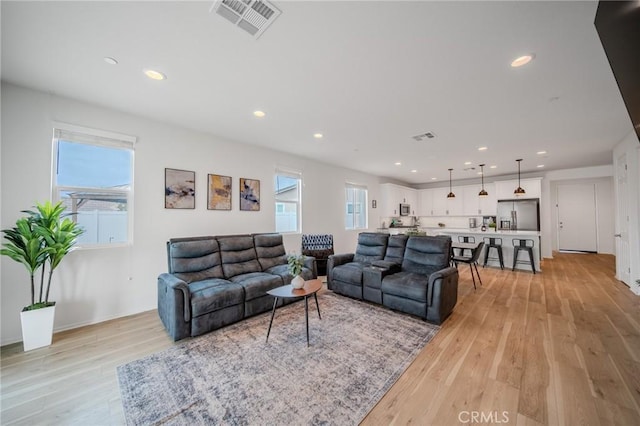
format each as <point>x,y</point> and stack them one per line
<point>288,292</point>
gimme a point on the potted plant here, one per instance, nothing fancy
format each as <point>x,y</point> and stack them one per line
<point>296,263</point>
<point>39,241</point>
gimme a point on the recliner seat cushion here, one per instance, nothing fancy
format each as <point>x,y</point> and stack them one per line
<point>256,284</point>
<point>349,272</point>
<point>406,284</point>
<point>214,294</point>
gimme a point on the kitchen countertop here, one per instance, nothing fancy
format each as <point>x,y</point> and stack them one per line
<point>488,232</point>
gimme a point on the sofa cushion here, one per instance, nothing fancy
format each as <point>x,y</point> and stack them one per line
<point>349,272</point>
<point>214,294</point>
<point>425,255</point>
<point>238,255</point>
<point>194,259</point>
<point>371,246</point>
<point>395,248</point>
<point>406,284</point>
<point>256,284</point>
<point>283,272</point>
<point>270,250</point>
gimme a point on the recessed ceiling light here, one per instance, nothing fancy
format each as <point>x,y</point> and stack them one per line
<point>540,166</point>
<point>522,60</point>
<point>259,114</point>
<point>493,167</point>
<point>397,163</point>
<point>318,135</point>
<point>154,75</point>
<point>541,152</point>
<point>466,163</point>
<point>414,171</point>
<point>110,60</point>
<point>482,148</point>
<point>434,178</point>
<point>480,173</point>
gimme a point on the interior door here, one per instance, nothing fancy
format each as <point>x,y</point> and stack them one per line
<point>577,226</point>
<point>623,266</point>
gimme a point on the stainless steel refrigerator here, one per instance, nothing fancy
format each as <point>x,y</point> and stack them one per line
<point>520,214</point>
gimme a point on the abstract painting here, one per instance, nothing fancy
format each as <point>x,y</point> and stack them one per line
<point>249,194</point>
<point>179,189</point>
<point>219,193</point>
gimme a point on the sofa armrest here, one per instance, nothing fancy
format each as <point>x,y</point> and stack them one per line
<point>336,260</point>
<point>310,262</point>
<point>372,276</point>
<point>442,294</point>
<point>174,305</point>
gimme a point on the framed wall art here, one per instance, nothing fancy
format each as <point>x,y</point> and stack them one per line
<point>249,194</point>
<point>179,189</point>
<point>219,192</point>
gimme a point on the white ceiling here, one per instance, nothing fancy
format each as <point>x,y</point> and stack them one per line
<point>369,75</point>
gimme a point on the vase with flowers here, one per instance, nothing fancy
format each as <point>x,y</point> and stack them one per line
<point>296,262</point>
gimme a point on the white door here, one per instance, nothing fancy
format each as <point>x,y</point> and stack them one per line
<point>623,266</point>
<point>577,227</point>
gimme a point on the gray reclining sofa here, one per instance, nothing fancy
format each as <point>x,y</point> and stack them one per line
<point>216,281</point>
<point>407,274</point>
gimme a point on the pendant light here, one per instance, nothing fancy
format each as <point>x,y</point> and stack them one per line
<point>450,194</point>
<point>482,192</point>
<point>519,191</point>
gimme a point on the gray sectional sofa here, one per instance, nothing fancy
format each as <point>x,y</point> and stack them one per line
<point>407,274</point>
<point>216,281</point>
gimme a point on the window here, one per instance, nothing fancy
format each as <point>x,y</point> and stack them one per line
<point>356,207</point>
<point>288,196</point>
<point>93,177</point>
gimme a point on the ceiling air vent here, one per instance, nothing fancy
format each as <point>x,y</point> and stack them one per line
<point>428,135</point>
<point>253,16</point>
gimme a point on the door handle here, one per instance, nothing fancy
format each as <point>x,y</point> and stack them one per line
<point>617,235</point>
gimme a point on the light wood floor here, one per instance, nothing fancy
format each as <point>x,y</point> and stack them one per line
<point>558,348</point>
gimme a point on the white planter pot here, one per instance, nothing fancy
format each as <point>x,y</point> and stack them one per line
<point>297,282</point>
<point>37,327</point>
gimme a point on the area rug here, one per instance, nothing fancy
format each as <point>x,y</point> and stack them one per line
<point>232,376</point>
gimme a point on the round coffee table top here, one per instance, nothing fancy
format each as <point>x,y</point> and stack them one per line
<point>310,287</point>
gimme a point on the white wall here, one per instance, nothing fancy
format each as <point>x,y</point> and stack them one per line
<point>602,176</point>
<point>100,284</point>
<point>605,225</point>
<point>630,146</point>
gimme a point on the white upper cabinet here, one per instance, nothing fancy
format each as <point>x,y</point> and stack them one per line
<point>391,196</point>
<point>474,205</point>
<point>505,188</point>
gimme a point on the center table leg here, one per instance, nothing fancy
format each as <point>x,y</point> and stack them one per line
<point>306,315</point>
<point>273,311</point>
<point>315,296</point>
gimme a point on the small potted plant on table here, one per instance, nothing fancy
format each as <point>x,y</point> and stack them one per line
<point>296,262</point>
<point>40,240</point>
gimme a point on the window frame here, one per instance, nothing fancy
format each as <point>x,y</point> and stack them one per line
<point>293,174</point>
<point>357,208</point>
<point>101,138</point>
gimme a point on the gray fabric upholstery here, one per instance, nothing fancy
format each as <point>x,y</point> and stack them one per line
<point>270,250</point>
<point>238,256</point>
<point>412,275</point>
<point>202,293</point>
<point>371,246</point>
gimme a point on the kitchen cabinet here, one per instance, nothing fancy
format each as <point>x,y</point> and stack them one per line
<point>425,203</point>
<point>474,205</point>
<point>391,196</point>
<point>505,188</point>
<point>443,206</point>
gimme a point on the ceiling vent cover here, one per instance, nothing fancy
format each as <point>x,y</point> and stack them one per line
<point>253,16</point>
<point>423,136</point>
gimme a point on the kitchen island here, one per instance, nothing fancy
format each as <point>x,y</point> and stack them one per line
<point>507,244</point>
